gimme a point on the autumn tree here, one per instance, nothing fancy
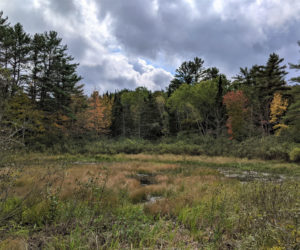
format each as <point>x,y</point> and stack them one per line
<point>107,102</point>
<point>278,107</point>
<point>247,80</point>
<point>98,114</point>
<point>236,107</point>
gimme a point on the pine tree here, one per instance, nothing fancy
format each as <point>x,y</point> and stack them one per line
<point>55,75</point>
<point>271,80</point>
<point>247,81</point>
<point>189,72</point>
<point>3,40</point>
<point>296,67</point>
<point>292,117</point>
<point>36,61</point>
<point>18,54</point>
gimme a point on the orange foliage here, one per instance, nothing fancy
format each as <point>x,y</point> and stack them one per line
<point>236,102</point>
<point>98,115</point>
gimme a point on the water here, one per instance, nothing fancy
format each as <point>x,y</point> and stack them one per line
<point>247,176</point>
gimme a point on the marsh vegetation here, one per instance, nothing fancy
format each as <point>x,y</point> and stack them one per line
<point>148,201</point>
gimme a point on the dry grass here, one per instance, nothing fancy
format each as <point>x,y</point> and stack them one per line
<point>194,203</point>
<point>13,244</point>
<point>120,175</point>
<point>202,158</point>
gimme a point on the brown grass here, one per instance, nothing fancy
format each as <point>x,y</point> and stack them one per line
<point>122,175</point>
<point>202,158</point>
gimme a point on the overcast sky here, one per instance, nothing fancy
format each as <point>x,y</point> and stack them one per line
<point>129,43</point>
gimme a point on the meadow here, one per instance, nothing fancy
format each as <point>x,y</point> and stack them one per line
<point>132,201</point>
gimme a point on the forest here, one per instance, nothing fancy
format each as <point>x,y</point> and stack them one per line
<point>210,162</point>
<point>43,101</point>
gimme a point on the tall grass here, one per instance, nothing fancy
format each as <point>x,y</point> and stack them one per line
<point>69,202</point>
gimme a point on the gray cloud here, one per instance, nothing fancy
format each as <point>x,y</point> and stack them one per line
<point>64,7</point>
<point>227,42</point>
<point>117,43</point>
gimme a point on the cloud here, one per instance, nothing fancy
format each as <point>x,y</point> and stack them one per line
<point>227,34</point>
<point>118,73</point>
<point>125,44</point>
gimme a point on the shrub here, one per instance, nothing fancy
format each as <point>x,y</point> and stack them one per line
<point>295,155</point>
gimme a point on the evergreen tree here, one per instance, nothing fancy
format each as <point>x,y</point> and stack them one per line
<point>4,86</point>
<point>57,80</point>
<point>211,73</point>
<point>18,54</point>
<point>219,114</point>
<point>3,25</point>
<point>292,117</point>
<point>247,81</point>
<point>271,79</point>
<point>117,125</point>
<point>36,61</point>
<point>151,120</point>
<point>189,72</point>
<point>3,40</point>
<point>296,67</point>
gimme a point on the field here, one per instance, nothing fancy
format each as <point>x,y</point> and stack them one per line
<point>148,201</point>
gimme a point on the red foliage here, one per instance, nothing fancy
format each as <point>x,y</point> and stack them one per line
<point>236,103</point>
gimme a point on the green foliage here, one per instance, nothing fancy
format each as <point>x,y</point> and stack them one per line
<point>295,154</point>
<point>292,116</point>
<point>193,104</point>
<point>22,113</point>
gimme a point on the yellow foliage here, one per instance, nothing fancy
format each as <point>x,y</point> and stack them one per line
<point>278,107</point>
<point>279,127</point>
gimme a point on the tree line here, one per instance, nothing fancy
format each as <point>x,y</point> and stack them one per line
<point>42,98</point>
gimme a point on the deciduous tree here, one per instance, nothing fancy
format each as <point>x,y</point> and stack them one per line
<point>236,107</point>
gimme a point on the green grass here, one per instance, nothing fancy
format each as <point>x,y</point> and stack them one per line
<point>266,148</point>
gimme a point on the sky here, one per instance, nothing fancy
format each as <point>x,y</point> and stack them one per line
<point>131,43</point>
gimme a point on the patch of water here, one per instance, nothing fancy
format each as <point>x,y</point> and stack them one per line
<point>247,176</point>
<point>84,163</point>
<point>145,179</point>
<point>152,199</point>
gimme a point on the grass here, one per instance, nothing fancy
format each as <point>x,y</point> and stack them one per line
<point>101,202</point>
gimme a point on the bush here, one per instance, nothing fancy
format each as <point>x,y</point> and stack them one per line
<point>266,148</point>
<point>295,155</point>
